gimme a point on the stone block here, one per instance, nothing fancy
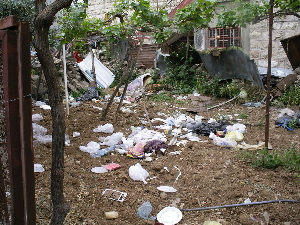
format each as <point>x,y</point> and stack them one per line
<point>254,54</point>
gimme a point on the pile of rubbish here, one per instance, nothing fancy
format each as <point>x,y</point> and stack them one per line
<point>288,119</point>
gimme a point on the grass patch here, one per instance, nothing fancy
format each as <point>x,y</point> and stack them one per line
<point>288,158</point>
<point>161,97</point>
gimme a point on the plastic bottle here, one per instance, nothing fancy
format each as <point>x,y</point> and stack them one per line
<point>102,152</point>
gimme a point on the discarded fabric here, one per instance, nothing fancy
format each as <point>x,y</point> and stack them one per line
<point>154,145</point>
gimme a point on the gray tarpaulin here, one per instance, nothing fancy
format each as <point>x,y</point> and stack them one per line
<point>232,64</point>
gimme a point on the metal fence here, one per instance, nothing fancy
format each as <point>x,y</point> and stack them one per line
<point>17,191</point>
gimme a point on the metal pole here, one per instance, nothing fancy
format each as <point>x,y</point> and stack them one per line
<point>65,79</point>
<point>267,125</point>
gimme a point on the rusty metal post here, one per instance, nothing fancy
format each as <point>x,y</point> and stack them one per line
<point>17,101</point>
<point>10,83</point>
<point>269,75</point>
<point>25,104</point>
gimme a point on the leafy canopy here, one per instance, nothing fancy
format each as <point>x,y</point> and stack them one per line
<point>24,10</point>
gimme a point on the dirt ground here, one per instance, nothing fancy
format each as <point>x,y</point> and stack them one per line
<point>202,173</point>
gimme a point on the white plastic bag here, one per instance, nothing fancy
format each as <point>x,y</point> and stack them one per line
<point>138,173</point>
<point>113,139</point>
<point>107,128</point>
<point>223,142</point>
<point>235,135</point>
<point>238,126</point>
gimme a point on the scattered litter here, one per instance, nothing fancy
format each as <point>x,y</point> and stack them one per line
<point>175,153</point>
<point>178,174</point>
<point>45,107</point>
<point>100,169</point>
<point>76,134</point>
<point>169,216</point>
<point>39,103</point>
<point>102,152</point>
<point>166,189</point>
<point>112,166</point>
<point>38,130</point>
<point>107,128</point>
<point>91,93</point>
<point>237,127</point>
<point>38,168</point>
<point>247,200</point>
<point>211,127</point>
<point>36,118</point>
<point>75,104</point>
<point>144,211</point>
<point>137,151</point>
<point>96,107</point>
<point>113,139</point>
<point>138,173</point>
<point>252,104</point>
<point>154,145</point>
<point>223,142</point>
<point>245,146</point>
<point>114,195</point>
<point>91,147</point>
<point>111,215</point>
<point>234,135</point>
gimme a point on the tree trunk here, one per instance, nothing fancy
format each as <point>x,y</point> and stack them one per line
<point>44,19</point>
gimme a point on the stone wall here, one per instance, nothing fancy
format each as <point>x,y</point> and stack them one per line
<point>259,35</point>
<point>98,8</point>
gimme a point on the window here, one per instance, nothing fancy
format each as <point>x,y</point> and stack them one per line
<point>224,37</point>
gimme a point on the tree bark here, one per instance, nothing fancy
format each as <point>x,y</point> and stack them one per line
<point>44,19</point>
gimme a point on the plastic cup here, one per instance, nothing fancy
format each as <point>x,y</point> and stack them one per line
<point>111,215</point>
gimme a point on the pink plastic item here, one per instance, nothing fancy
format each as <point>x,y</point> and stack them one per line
<point>112,166</point>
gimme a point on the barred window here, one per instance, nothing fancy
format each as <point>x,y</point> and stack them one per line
<point>224,37</point>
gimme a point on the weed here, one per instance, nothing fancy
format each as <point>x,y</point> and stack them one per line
<point>291,95</point>
<point>288,158</point>
<point>243,116</point>
<point>161,97</point>
<point>77,94</point>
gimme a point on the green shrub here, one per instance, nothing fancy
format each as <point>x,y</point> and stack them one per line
<point>291,95</point>
<point>77,94</point>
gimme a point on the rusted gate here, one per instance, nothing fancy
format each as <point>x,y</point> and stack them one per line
<point>17,191</point>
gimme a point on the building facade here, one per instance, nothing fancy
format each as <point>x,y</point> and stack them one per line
<point>253,39</point>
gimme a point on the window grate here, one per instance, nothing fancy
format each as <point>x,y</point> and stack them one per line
<point>224,37</point>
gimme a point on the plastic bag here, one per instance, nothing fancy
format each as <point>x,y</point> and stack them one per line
<point>144,211</point>
<point>107,128</point>
<point>223,142</point>
<point>234,135</point>
<point>238,126</point>
<point>138,173</point>
<point>113,139</point>
<point>91,147</point>
<point>36,117</point>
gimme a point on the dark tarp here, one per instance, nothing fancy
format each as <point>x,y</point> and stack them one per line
<point>232,64</point>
